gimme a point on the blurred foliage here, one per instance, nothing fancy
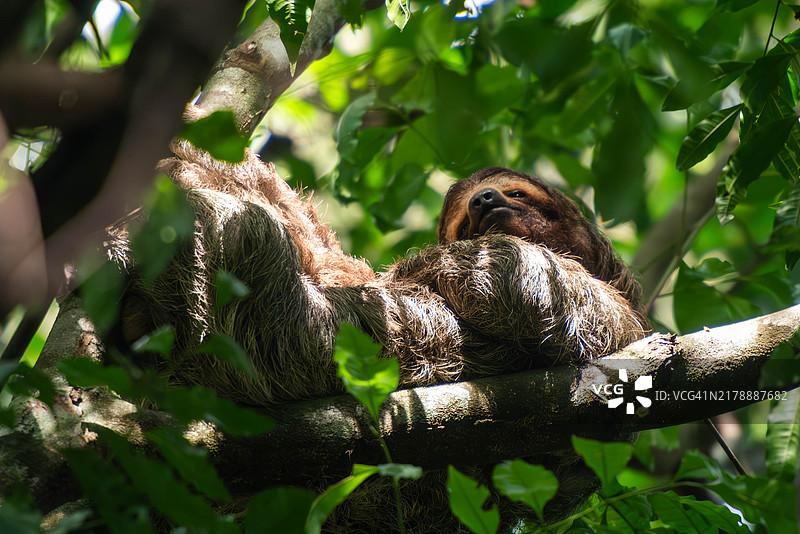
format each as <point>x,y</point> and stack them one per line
<point>624,104</point>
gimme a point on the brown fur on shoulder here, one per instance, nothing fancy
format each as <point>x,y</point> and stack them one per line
<point>255,182</point>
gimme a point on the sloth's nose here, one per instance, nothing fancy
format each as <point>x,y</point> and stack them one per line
<point>485,200</point>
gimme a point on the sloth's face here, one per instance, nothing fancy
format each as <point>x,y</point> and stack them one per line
<point>505,203</point>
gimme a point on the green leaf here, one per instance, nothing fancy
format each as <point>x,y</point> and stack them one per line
<point>292,17</point>
<point>228,288</point>
<point>30,381</point>
<point>400,471</point>
<point>697,466</point>
<point>625,37</point>
<point>629,516</point>
<point>705,137</point>
<point>546,48</point>
<point>783,438</point>
<point>754,154</point>
<point>325,503</point>
<point>200,403</point>
<point>761,499</point>
<point>19,514</point>
<point>786,227</point>
<point>698,303</point>
<point>283,510</point>
<point>218,135</point>
<point>721,517</point>
<point>353,12</point>
<point>121,40</point>
<point>101,294</point>
<point>605,459</point>
<point>366,376</point>
<point>586,105</point>
<point>123,509</point>
<point>164,492</point>
<point>86,373</point>
<point>467,499</point>
<point>702,82</point>
<point>670,511</point>
<point>168,222</point>
<point>500,88</point>
<point>159,340</point>
<point>520,481</point>
<point>620,160</point>
<point>734,5</point>
<point>403,188</point>
<point>762,80</point>
<point>398,12</point>
<point>346,134</point>
<point>191,462</point>
<point>787,162</point>
<point>228,350</point>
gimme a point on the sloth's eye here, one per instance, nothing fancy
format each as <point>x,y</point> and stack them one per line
<point>550,213</point>
<point>463,229</point>
<point>517,194</point>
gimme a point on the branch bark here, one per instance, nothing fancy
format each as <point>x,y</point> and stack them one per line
<point>250,78</point>
<point>476,422</point>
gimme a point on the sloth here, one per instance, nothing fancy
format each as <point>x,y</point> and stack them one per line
<point>520,279</point>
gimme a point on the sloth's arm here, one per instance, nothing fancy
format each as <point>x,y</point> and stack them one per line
<point>526,296</point>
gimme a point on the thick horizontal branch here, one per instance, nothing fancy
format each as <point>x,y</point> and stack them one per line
<point>475,422</point>
<point>501,417</point>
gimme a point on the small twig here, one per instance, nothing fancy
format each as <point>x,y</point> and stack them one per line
<point>737,465</point>
<point>772,27</point>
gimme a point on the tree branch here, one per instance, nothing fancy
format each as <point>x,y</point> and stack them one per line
<point>475,422</point>
<point>252,76</point>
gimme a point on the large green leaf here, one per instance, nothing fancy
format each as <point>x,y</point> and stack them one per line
<point>620,161</point>
<point>763,78</point>
<point>403,188</point>
<point>606,459</point>
<point>783,437</point>
<point>786,228</point>
<point>586,105</point>
<point>695,465</point>
<point>699,304</point>
<point>547,49</point>
<point>520,481</point>
<point>218,135</point>
<point>467,499</point>
<point>761,499</point>
<point>628,516</point>
<point>228,350</point>
<point>292,17</point>
<point>705,137</point>
<point>190,461</point>
<point>281,510</point>
<point>366,376</point>
<point>399,12</point>
<point>684,514</point>
<point>755,153</point>
<point>335,494</point>
<point>163,490</point>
